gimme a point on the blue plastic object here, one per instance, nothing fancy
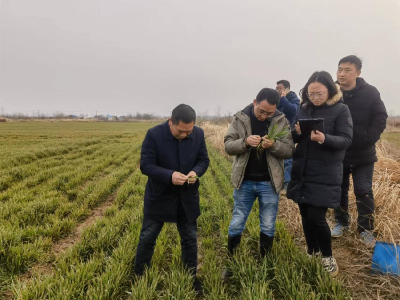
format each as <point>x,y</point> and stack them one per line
<point>386,258</point>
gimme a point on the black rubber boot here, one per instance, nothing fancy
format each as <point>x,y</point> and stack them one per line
<point>265,244</point>
<point>233,243</point>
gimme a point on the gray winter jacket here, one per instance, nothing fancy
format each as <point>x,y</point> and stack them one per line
<point>235,145</point>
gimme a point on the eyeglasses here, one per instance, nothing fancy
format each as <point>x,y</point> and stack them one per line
<point>315,95</point>
<point>264,113</point>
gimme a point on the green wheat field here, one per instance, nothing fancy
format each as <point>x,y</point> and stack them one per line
<point>71,199</point>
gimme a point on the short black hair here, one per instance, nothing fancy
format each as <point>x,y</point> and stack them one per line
<point>324,78</point>
<point>270,95</point>
<point>285,83</point>
<point>183,113</point>
<point>352,59</point>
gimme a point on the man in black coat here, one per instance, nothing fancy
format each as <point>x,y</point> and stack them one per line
<point>369,121</point>
<point>289,104</point>
<point>173,156</point>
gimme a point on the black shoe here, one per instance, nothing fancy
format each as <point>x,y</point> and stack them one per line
<point>265,244</point>
<point>198,286</point>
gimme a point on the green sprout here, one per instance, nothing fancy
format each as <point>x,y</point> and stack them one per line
<point>273,136</point>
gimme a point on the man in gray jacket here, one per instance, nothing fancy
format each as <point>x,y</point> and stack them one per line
<point>257,174</point>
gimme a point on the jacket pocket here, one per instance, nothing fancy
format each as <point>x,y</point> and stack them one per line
<point>359,137</point>
<point>323,173</point>
<point>297,169</point>
<point>160,191</point>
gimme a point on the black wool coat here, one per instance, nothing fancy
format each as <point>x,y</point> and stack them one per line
<point>161,155</point>
<point>317,169</point>
<point>369,120</point>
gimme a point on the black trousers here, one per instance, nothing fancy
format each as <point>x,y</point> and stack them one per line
<point>316,229</point>
<point>362,181</point>
<point>147,241</point>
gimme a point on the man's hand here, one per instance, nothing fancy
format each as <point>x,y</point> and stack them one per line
<point>266,143</point>
<point>253,140</point>
<point>317,136</point>
<point>178,178</point>
<point>192,174</point>
<point>297,126</point>
<point>283,93</point>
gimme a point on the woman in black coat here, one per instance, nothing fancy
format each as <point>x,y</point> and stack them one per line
<point>317,162</point>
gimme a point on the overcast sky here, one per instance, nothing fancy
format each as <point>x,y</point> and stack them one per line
<point>118,57</point>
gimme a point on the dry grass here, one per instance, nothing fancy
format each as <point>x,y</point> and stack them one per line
<point>353,257</point>
<point>214,134</point>
<point>393,124</point>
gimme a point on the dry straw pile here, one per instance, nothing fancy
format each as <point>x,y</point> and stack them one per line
<point>353,257</point>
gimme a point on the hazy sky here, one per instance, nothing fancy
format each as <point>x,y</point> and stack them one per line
<point>83,56</point>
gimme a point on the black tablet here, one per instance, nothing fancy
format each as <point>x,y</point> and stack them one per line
<point>306,125</point>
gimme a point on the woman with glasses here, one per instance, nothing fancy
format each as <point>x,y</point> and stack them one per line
<point>317,162</point>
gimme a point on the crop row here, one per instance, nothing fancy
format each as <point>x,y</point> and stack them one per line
<point>56,177</point>
<point>16,174</point>
<point>47,152</point>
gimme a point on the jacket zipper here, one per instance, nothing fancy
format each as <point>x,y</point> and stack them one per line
<point>269,168</point>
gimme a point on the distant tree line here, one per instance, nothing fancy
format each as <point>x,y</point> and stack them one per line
<point>61,115</point>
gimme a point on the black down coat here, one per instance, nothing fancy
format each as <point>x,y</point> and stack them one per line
<point>369,120</point>
<point>317,169</point>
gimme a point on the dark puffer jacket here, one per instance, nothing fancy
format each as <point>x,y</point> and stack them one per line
<point>369,120</point>
<point>317,169</point>
<point>289,105</point>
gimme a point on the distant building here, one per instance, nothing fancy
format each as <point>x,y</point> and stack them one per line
<point>100,118</point>
<point>111,118</point>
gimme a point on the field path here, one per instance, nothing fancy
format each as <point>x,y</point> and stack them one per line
<point>64,244</point>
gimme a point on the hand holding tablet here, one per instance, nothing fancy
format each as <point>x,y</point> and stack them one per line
<point>308,125</point>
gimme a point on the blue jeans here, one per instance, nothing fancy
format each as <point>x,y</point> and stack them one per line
<point>288,169</point>
<point>147,241</point>
<point>244,198</point>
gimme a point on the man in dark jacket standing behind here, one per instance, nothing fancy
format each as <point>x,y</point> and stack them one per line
<point>289,104</point>
<point>369,121</point>
<point>173,156</point>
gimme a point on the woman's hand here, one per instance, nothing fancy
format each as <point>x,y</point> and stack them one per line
<point>297,126</point>
<point>317,136</point>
